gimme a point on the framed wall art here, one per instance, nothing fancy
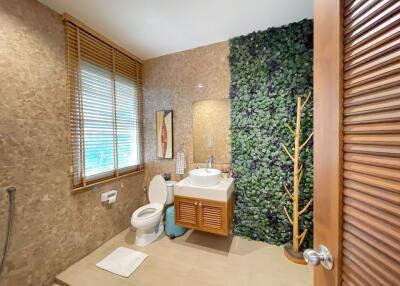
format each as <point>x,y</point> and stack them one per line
<point>164,129</point>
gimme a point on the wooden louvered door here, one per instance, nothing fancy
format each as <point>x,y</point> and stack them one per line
<point>357,140</point>
<point>186,211</point>
<point>371,150</point>
<point>213,216</point>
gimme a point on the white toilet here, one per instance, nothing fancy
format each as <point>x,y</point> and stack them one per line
<point>148,219</point>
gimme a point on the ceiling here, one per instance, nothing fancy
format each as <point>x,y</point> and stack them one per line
<point>152,28</point>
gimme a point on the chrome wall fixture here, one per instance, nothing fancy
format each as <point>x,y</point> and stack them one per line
<point>11,193</point>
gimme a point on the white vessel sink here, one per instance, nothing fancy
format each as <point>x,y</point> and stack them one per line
<point>204,177</point>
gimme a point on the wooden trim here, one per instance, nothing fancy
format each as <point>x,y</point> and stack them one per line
<point>81,129</point>
<point>139,83</point>
<point>328,125</point>
<point>83,188</point>
<point>114,108</point>
<point>70,129</point>
<point>69,18</point>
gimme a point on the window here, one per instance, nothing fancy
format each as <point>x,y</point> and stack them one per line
<point>105,92</point>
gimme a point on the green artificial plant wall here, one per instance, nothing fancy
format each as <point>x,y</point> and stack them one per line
<point>269,69</point>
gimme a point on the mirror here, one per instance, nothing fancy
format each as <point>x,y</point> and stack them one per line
<point>211,135</point>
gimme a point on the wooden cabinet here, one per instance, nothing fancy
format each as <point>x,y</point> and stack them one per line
<point>210,216</point>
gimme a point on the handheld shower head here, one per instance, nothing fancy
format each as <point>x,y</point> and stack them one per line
<point>11,192</point>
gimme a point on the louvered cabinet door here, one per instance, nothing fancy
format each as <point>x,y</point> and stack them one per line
<point>186,212</point>
<point>213,216</point>
<point>205,215</point>
<point>371,143</point>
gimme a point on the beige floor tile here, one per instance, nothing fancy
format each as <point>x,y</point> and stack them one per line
<point>194,259</point>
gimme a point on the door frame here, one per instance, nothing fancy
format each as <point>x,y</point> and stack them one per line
<point>328,138</point>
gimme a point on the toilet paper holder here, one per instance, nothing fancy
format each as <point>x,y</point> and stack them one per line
<point>109,197</point>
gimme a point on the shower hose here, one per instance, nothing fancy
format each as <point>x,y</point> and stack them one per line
<point>11,192</point>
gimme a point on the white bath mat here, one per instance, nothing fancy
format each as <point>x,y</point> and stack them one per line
<point>122,261</point>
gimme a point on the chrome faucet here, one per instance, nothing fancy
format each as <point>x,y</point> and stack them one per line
<point>210,162</point>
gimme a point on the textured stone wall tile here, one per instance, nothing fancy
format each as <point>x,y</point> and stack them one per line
<point>31,48</point>
<point>53,228</point>
<point>175,82</point>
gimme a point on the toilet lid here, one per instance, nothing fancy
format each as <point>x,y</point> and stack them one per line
<point>158,190</point>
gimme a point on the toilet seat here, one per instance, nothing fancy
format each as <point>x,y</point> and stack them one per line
<point>147,211</point>
<point>148,219</point>
<point>158,190</point>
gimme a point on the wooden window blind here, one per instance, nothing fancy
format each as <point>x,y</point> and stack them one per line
<point>105,86</point>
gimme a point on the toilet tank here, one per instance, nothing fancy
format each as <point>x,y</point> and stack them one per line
<point>170,190</point>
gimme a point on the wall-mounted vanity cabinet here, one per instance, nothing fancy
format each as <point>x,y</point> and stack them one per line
<point>207,209</point>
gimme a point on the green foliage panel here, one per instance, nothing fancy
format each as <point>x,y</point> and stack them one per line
<point>269,69</point>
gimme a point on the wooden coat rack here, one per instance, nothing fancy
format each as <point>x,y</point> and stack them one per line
<point>292,250</point>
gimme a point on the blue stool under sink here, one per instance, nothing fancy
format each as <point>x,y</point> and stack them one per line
<point>171,229</point>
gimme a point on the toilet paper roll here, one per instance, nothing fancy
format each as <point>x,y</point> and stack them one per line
<point>112,200</point>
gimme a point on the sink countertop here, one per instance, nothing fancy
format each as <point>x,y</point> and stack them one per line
<point>220,192</point>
